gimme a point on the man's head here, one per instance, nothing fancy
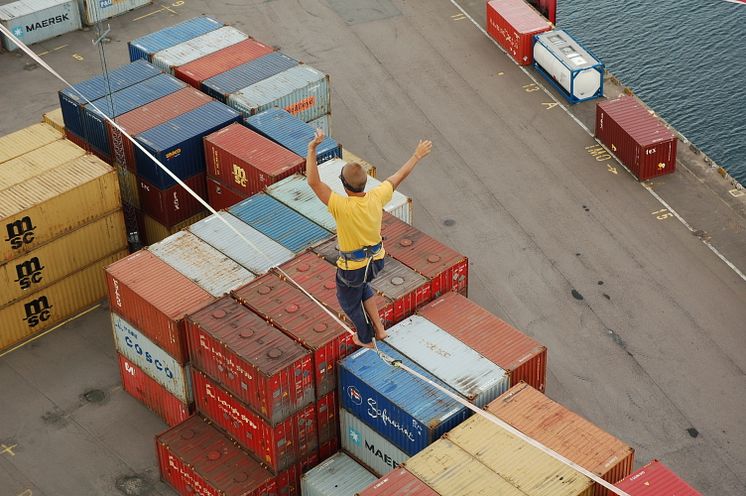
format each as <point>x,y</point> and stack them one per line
<point>353,177</point>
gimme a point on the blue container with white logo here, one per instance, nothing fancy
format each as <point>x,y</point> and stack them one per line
<point>97,87</point>
<point>282,127</point>
<point>178,145</point>
<point>146,46</point>
<point>400,407</point>
<point>279,222</point>
<point>95,129</point>
<point>247,74</point>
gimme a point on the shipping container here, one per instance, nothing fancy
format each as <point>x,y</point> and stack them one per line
<point>400,206</point>
<point>637,138</point>
<point>191,50</point>
<point>177,144</point>
<point>259,256</point>
<point>56,202</point>
<point>513,24</point>
<point>279,222</point>
<point>220,196</point>
<point>368,447</point>
<point>223,60</point>
<point>155,231</point>
<point>348,156</point>
<point>35,162</point>
<point>570,68</point>
<point>27,139</point>
<point>32,21</point>
<point>145,46</point>
<point>408,412</point>
<point>154,297</point>
<point>128,187</point>
<point>327,416</point>
<point>287,308</point>
<point>174,204</point>
<point>250,358</point>
<point>399,482</point>
<point>149,116</point>
<point>655,479</point>
<point>522,358</point>
<point>324,123</point>
<point>301,90</point>
<point>62,256</point>
<point>522,465</point>
<point>201,263</point>
<point>292,133</point>
<point>295,192</point>
<point>54,119</point>
<point>196,458</point>
<point>246,161</point>
<point>279,446</point>
<point>152,360</point>
<point>54,304</point>
<point>246,74</point>
<point>445,268</point>
<point>339,475</point>
<point>93,11</point>
<point>565,432</point>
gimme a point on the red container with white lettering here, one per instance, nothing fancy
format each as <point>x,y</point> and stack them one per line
<point>148,391</point>
<point>221,61</point>
<point>172,205</point>
<point>154,297</point>
<point>398,482</point>
<point>296,315</point>
<point>220,196</point>
<point>195,458</point>
<point>246,161</point>
<point>253,360</point>
<point>445,268</point>
<point>327,414</point>
<point>279,446</point>
<point>513,24</point>
<point>655,479</point>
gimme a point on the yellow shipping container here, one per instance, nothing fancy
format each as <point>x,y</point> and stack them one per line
<point>50,306</point>
<point>155,231</point>
<point>450,470</point>
<point>62,256</point>
<point>16,144</point>
<point>38,161</point>
<point>128,186</point>
<point>525,467</point>
<point>54,203</point>
<point>54,119</point>
<point>348,156</point>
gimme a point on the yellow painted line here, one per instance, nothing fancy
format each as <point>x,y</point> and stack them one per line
<point>170,10</point>
<point>58,48</point>
<point>147,15</point>
<point>84,312</point>
<point>8,449</point>
<point>41,54</point>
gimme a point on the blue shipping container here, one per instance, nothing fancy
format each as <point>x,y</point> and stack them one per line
<point>405,410</point>
<point>245,75</point>
<point>95,130</point>
<point>146,46</point>
<point>292,133</point>
<point>279,222</point>
<point>92,89</point>
<point>178,143</point>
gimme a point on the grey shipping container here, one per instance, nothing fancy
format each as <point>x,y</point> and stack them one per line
<point>32,21</point>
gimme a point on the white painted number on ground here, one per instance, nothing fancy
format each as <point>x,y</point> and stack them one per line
<point>662,214</point>
<point>530,88</point>
<point>78,57</point>
<point>458,17</point>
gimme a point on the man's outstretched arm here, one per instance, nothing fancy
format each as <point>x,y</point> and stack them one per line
<point>423,148</point>
<point>312,172</point>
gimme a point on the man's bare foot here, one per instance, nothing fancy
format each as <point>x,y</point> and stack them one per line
<point>360,343</point>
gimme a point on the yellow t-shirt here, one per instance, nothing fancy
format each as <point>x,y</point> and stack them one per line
<point>359,221</point>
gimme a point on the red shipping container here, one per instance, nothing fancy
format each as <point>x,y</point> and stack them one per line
<point>278,446</point>
<point>221,197</point>
<point>247,161</point>
<point>638,139</point>
<point>522,358</point>
<point>154,297</point>
<point>398,482</point>
<point>195,458</point>
<point>146,390</point>
<point>547,8</point>
<point>513,24</point>
<point>221,61</point>
<point>288,481</point>
<point>327,415</point>
<point>77,140</point>
<point>445,268</point>
<point>173,205</point>
<point>317,276</point>
<point>655,479</point>
<point>253,360</point>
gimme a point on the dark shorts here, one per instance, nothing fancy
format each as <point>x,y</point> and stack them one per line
<point>352,290</point>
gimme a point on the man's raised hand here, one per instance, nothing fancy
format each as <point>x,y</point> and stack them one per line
<point>317,139</point>
<point>423,149</point>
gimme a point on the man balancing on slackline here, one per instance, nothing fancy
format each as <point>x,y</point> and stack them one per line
<point>358,216</point>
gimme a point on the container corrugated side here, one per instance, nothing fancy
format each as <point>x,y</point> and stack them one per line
<point>198,47</point>
<point>566,432</point>
<point>525,467</point>
<point>399,482</point>
<point>32,21</point>
<point>324,123</point>
<point>400,206</point>
<point>93,11</point>
<point>339,475</point>
<point>54,119</point>
<point>57,302</point>
<point>159,365</point>
<point>327,417</point>
<point>456,364</point>
<point>368,447</point>
<point>62,256</point>
<point>259,258</point>
<point>37,162</point>
<point>655,479</point>
<point>521,356</point>
<point>513,24</point>
<point>220,196</point>
<point>154,231</point>
<point>295,192</point>
<point>406,411</point>
<point>201,263</point>
<point>56,202</point>
<point>172,205</point>
<point>27,139</point>
<point>246,74</point>
<point>223,60</point>
<point>145,46</point>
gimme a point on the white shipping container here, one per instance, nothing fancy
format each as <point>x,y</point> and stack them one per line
<point>578,72</point>
<point>198,47</point>
<point>339,475</point>
<point>366,445</point>
<point>95,10</point>
<point>32,21</point>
